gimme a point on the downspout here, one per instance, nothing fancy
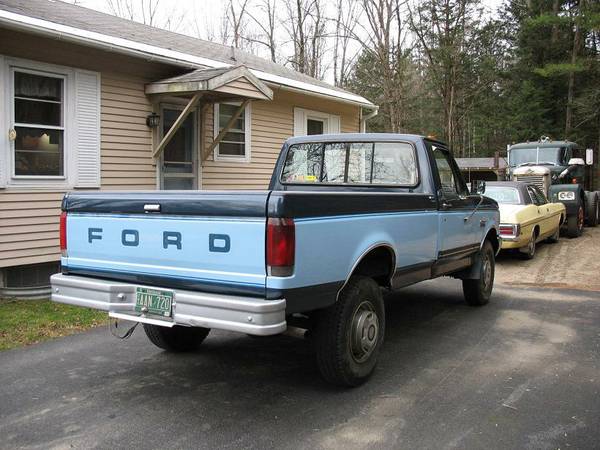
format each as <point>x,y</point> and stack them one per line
<point>364,118</point>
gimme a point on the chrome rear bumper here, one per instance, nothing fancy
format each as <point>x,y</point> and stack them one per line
<point>226,312</point>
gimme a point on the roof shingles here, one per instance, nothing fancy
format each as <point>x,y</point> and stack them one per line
<point>86,19</point>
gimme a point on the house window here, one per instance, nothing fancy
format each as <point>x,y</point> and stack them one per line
<point>307,122</point>
<point>315,126</point>
<point>38,101</point>
<point>52,114</point>
<point>235,145</point>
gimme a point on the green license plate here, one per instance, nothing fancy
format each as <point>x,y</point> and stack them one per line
<point>153,301</point>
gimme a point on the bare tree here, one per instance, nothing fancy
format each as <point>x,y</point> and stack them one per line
<point>345,24</point>
<point>305,24</point>
<point>148,12</point>
<point>383,38</point>
<point>236,19</point>
<point>266,36</point>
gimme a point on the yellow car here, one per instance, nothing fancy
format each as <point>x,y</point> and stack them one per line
<point>526,216</point>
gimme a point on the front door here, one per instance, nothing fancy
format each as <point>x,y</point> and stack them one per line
<point>179,164</point>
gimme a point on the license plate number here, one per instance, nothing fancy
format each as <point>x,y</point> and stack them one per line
<point>153,301</point>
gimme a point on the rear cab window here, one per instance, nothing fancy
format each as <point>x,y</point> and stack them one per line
<point>355,163</point>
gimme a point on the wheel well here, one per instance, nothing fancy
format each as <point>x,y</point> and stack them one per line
<point>536,230</point>
<point>492,236</point>
<point>378,263</point>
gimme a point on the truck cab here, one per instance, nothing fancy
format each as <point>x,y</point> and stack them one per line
<point>558,168</point>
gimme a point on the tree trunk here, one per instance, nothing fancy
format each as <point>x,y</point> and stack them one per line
<point>571,82</point>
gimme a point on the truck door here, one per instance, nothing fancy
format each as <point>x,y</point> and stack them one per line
<point>457,230</point>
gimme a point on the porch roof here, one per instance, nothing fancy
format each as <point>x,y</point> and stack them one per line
<point>235,82</point>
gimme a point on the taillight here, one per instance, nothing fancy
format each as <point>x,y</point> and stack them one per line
<point>63,233</point>
<point>510,230</point>
<point>281,247</point>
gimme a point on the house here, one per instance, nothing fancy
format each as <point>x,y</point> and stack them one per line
<point>488,169</point>
<point>91,101</point>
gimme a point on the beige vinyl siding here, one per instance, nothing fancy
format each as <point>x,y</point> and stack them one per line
<point>272,124</point>
<point>29,227</point>
<point>126,141</point>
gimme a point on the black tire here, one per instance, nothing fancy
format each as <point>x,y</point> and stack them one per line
<point>176,339</point>
<point>477,291</point>
<point>528,252</point>
<point>575,223</point>
<point>592,209</point>
<point>343,357</point>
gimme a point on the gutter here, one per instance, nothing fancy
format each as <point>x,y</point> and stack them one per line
<point>363,119</point>
<point>158,54</point>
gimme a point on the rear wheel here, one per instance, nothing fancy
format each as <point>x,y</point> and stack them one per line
<point>348,334</point>
<point>528,252</point>
<point>478,291</point>
<point>176,339</point>
<point>593,209</point>
<point>575,223</point>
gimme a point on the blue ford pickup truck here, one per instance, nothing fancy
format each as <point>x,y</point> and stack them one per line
<point>344,216</point>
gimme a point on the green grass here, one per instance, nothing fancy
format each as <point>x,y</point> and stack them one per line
<point>25,322</point>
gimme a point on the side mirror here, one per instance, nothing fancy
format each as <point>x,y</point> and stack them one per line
<point>576,162</point>
<point>589,156</point>
<point>477,187</point>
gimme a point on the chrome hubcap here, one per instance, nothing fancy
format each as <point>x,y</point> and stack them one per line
<point>532,245</point>
<point>365,331</point>
<point>487,273</point>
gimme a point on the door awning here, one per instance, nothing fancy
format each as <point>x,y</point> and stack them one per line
<point>226,82</point>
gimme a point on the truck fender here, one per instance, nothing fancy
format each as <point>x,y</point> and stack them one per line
<point>470,273</point>
<point>364,254</point>
<point>571,206</point>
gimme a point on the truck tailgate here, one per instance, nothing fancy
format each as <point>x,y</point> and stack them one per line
<point>213,242</point>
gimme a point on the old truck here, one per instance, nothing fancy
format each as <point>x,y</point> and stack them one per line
<point>559,169</point>
<point>344,217</point>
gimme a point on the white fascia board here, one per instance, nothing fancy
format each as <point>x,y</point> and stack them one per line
<point>113,43</point>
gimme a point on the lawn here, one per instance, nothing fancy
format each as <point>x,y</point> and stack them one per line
<point>25,322</point>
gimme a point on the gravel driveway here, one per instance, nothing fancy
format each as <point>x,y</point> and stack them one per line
<point>572,263</point>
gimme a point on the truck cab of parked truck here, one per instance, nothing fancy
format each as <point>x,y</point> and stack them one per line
<point>559,169</point>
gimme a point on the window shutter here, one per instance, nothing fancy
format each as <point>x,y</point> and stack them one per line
<point>299,122</point>
<point>87,132</point>
<point>4,126</point>
<point>334,124</point>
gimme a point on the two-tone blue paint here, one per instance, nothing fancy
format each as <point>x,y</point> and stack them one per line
<point>220,243</point>
<point>200,256</point>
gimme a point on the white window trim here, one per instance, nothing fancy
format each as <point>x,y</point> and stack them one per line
<point>248,140</point>
<point>302,115</point>
<point>68,179</point>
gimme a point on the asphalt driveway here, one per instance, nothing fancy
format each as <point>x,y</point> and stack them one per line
<point>522,372</point>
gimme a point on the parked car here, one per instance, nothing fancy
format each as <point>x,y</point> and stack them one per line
<point>526,216</point>
<point>560,171</point>
<point>344,216</point>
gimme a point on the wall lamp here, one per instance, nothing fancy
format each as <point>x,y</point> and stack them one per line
<point>153,120</point>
